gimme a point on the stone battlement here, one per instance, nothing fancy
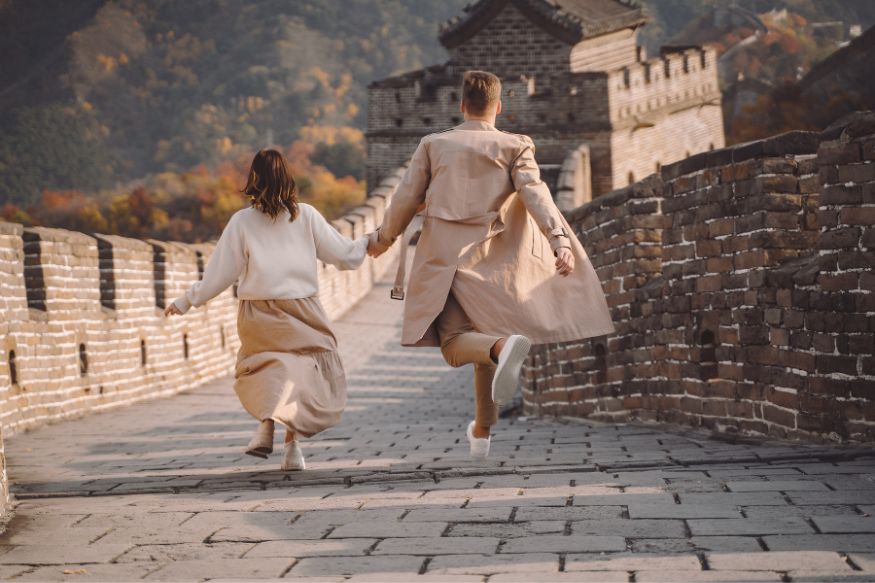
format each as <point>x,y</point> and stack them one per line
<point>679,78</point>
<point>741,285</point>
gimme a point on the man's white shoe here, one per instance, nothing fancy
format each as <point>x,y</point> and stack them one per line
<point>293,458</point>
<point>479,445</point>
<point>261,444</point>
<point>507,372</point>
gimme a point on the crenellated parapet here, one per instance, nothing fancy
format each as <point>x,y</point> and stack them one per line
<point>679,79</point>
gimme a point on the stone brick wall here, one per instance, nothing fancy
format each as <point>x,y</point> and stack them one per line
<point>83,327</point>
<point>741,285</point>
<point>511,45</point>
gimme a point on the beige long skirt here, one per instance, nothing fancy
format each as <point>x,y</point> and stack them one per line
<point>288,368</point>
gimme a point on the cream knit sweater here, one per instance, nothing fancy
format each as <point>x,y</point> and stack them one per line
<point>273,259</point>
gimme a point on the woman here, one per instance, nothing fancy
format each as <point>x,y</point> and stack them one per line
<point>288,370</point>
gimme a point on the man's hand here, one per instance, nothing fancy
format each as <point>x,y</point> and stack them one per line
<point>172,310</point>
<point>373,247</point>
<point>564,261</point>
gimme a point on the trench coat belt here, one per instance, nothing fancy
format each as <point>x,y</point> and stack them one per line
<point>491,219</point>
<point>415,225</point>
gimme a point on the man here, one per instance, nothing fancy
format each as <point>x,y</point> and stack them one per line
<point>484,283</point>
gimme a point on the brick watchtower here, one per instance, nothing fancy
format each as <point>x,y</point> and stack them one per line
<point>575,80</point>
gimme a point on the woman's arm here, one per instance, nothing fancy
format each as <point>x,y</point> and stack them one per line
<point>224,267</point>
<point>334,248</point>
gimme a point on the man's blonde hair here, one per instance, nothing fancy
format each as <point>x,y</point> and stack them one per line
<point>480,91</point>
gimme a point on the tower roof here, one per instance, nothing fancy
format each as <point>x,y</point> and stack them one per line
<point>568,20</point>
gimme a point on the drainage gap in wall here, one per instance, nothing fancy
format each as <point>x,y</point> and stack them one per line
<point>200,265</point>
<point>13,368</point>
<point>159,271</point>
<point>707,356</point>
<point>83,360</point>
<point>107,275</point>
<point>142,352</point>
<point>185,346</point>
<point>601,363</point>
<point>34,282</point>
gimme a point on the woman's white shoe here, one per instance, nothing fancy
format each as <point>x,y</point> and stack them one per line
<point>261,444</point>
<point>507,371</point>
<point>293,458</point>
<point>479,445</point>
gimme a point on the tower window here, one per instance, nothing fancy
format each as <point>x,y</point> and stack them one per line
<point>601,363</point>
<point>185,346</point>
<point>631,178</point>
<point>707,356</point>
<point>426,121</point>
<point>200,264</point>
<point>399,122</point>
<point>142,353</point>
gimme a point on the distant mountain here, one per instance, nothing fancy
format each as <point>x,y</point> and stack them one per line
<point>96,93</point>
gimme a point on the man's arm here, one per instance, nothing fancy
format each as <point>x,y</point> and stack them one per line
<point>536,197</point>
<point>409,195</point>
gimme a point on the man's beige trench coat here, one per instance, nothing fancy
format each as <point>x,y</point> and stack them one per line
<point>490,228</point>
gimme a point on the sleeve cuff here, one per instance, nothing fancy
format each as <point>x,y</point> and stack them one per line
<point>182,304</point>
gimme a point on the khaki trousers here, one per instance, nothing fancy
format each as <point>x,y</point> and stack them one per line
<point>461,344</point>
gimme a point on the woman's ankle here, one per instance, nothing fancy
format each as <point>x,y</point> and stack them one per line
<point>290,436</point>
<point>481,432</point>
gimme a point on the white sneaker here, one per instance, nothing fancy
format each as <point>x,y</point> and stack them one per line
<point>293,458</point>
<point>479,445</point>
<point>507,372</point>
<point>261,444</point>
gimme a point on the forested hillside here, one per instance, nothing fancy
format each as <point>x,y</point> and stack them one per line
<point>111,105</point>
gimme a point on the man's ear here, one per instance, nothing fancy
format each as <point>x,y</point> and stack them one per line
<point>498,108</point>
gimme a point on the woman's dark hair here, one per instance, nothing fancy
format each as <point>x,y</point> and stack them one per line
<point>270,185</point>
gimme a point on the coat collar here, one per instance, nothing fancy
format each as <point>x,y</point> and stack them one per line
<point>476,125</point>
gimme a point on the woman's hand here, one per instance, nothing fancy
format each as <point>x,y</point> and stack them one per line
<point>564,261</point>
<point>172,310</point>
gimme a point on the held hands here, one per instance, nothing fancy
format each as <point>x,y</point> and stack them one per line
<point>374,249</point>
<point>172,310</point>
<point>564,261</point>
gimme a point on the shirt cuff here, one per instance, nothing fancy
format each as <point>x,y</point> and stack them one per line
<point>182,304</point>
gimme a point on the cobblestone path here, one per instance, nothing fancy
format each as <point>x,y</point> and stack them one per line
<point>162,491</point>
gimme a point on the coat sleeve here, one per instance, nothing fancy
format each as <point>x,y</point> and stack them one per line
<point>224,267</point>
<point>536,197</point>
<point>407,198</point>
<point>334,248</point>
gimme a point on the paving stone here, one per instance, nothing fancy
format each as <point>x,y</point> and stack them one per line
<point>631,562</point>
<point>681,511</point>
<point>777,486</point>
<point>471,545</point>
<point>749,526</point>
<point>865,561</point>
<point>491,564</point>
<point>214,568</point>
<point>53,554</point>
<point>845,524</point>
<point>357,565</point>
<point>547,543</point>
<point>500,514</point>
<point>389,529</point>
<point>806,511</point>
<point>578,577</point>
<point>406,578</point>
<point>640,528</point>
<point>185,552</point>
<point>503,530</point>
<point>736,498</point>
<point>838,497</point>
<point>569,513</point>
<point>84,572</point>
<point>847,543</point>
<point>823,561</point>
<point>707,577</point>
<point>311,548</point>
